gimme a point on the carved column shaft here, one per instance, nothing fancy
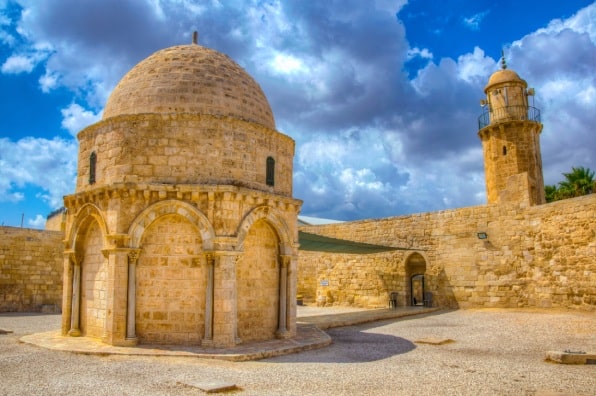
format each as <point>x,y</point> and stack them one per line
<point>75,313</point>
<point>208,338</point>
<point>133,256</point>
<point>67,292</point>
<point>283,301</point>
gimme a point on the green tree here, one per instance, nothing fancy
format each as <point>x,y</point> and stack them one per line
<point>578,182</point>
<point>551,193</point>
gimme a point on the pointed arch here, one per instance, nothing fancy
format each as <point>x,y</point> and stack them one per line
<point>168,207</point>
<point>275,219</point>
<point>86,238</point>
<point>82,219</point>
<point>416,257</point>
<point>416,265</point>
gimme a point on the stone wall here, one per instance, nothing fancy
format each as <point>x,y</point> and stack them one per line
<point>184,149</point>
<point>539,256</point>
<point>30,270</point>
<point>55,220</point>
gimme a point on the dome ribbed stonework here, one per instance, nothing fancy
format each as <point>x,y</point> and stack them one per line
<point>190,79</point>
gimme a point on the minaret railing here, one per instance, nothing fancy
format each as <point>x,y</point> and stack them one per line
<point>508,113</point>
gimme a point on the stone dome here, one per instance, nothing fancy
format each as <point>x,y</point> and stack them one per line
<point>504,76</point>
<point>190,79</point>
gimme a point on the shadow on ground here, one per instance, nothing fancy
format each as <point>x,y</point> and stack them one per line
<point>350,346</point>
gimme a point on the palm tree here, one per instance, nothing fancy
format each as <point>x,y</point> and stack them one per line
<point>551,193</point>
<point>580,181</point>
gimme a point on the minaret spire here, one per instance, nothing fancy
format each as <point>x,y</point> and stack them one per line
<point>195,37</point>
<point>503,61</point>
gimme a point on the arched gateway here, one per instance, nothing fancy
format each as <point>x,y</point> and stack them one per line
<point>415,273</point>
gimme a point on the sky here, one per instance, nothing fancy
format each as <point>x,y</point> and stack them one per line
<point>382,97</point>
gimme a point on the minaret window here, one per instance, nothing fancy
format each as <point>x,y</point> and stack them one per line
<point>504,150</point>
<point>270,173</point>
<point>92,163</point>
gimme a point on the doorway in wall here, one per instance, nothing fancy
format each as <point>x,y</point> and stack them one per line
<point>417,288</point>
<point>415,271</point>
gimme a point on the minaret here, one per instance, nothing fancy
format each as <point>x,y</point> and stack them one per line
<point>510,132</point>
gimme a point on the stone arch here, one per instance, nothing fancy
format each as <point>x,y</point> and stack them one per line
<point>262,274</point>
<point>87,240</point>
<point>169,207</point>
<point>275,219</point>
<point>82,220</point>
<point>171,280</point>
<point>416,267</point>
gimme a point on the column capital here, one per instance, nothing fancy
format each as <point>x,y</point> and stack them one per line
<point>210,257</point>
<point>71,255</point>
<point>133,255</point>
<point>123,251</point>
<point>286,259</point>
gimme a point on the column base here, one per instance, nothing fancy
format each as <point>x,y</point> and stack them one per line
<point>207,343</point>
<point>283,334</point>
<point>129,341</point>
<point>74,333</point>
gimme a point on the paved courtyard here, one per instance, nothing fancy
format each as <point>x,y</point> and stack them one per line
<point>493,352</point>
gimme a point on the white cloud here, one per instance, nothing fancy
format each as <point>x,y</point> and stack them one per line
<point>584,21</point>
<point>38,222</point>
<point>475,66</point>
<point>287,64</point>
<point>474,21</point>
<point>47,164</point>
<point>75,118</point>
<point>421,53</point>
<point>48,82</point>
<point>16,64</point>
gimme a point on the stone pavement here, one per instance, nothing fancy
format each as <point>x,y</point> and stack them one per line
<point>311,322</point>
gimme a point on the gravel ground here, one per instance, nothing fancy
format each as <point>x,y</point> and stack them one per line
<point>495,352</point>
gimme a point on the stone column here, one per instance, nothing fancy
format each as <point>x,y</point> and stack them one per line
<point>291,293</point>
<point>131,336</point>
<point>282,331</point>
<point>208,338</point>
<point>224,300</point>
<point>67,282</point>
<point>75,315</point>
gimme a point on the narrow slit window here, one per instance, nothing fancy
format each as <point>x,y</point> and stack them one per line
<point>92,163</point>
<point>504,150</point>
<point>270,173</point>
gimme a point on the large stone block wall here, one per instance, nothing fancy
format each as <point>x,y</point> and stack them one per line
<point>184,149</point>
<point>30,270</point>
<point>539,256</point>
<point>512,148</point>
<point>171,282</point>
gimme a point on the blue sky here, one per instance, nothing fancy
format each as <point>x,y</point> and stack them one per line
<point>381,97</point>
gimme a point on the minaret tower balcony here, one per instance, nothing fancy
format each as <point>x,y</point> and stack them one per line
<point>508,113</point>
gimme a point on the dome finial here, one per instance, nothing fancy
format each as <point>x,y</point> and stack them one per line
<point>195,37</point>
<point>503,62</point>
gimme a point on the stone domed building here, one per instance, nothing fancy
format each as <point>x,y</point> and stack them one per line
<point>182,228</point>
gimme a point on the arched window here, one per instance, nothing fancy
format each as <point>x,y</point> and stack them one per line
<point>92,163</point>
<point>270,174</point>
